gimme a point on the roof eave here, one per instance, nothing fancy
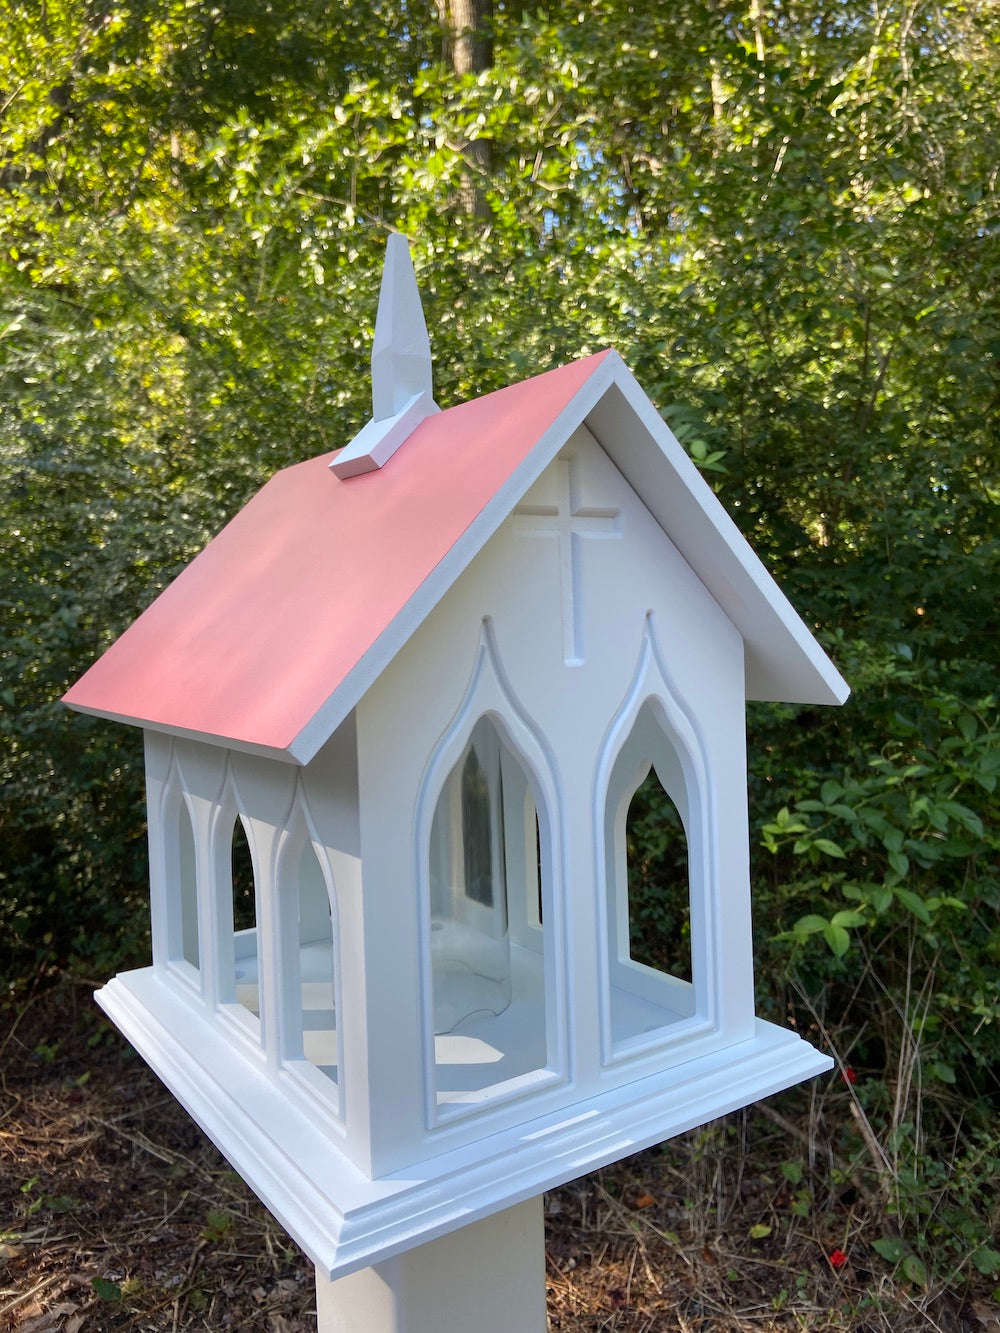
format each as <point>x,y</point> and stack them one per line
<point>784,662</point>
<point>288,756</point>
<point>446,573</point>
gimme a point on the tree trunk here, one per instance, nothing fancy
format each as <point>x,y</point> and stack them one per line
<point>468,49</point>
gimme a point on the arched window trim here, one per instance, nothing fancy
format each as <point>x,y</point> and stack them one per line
<point>235,945</point>
<point>174,800</point>
<point>200,776</point>
<point>227,809</point>
<point>489,694</point>
<point>653,687</point>
<point>300,832</point>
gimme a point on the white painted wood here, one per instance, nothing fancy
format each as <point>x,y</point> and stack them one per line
<point>402,376</point>
<point>494,646</point>
<point>531,1035</point>
<point>782,659</point>
<point>644,1006</point>
<point>601,614</point>
<point>553,508</point>
<point>163,888</point>
<point>264,793</point>
<point>567,710</point>
<point>268,1127</point>
<point>488,1278</point>
<point>401,349</point>
<point>377,441</point>
<point>332,808</point>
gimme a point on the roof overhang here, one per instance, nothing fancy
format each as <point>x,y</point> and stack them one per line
<point>273,634</point>
<point>783,661</point>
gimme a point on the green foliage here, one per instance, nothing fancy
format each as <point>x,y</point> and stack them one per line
<point>106,1289</point>
<point>659,909</point>
<point>786,218</point>
<point>881,864</point>
<point>218,1225</point>
<point>895,859</point>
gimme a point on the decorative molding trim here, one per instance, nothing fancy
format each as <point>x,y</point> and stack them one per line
<point>653,684</point>
<point>343,1220</point>
<point>490,694</point>
<point>298,833</point>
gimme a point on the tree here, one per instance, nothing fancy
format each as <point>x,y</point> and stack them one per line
<point>468,49</point>
<point>785,216</point>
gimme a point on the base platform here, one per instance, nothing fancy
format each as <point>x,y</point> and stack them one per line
<point>346,1222</point>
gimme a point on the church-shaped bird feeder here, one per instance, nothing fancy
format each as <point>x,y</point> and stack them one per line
<point>396,714</point>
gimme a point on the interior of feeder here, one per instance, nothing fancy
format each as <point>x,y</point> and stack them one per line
<point>309,972</point>
<point>487,936</point>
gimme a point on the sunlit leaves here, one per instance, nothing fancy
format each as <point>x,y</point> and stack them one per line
<point>786,223</point>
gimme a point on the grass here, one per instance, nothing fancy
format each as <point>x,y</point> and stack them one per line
<point>117,1214</point>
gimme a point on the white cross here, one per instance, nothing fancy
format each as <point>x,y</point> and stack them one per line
<point>569,521</point>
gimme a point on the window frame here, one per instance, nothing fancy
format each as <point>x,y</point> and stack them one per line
<point>678,754</point>
<point>489,695</point>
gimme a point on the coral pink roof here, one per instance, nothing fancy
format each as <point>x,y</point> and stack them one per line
<point>265,625</point>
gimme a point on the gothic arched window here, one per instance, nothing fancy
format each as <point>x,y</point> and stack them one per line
<point>487,885</point>
<point>654,895</point>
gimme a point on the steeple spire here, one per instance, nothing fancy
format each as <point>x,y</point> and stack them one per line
<point>401,368</point>
<point>401,351</point>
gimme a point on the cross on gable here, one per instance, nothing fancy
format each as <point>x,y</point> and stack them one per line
<point>566,518</point>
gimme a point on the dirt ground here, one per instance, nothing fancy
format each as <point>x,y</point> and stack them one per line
<point>116,1213</point>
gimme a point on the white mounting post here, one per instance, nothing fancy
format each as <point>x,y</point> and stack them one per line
<point>488,1277</point>
<point>402,386</point>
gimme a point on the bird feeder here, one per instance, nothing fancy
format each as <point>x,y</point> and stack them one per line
<point>396,714</point>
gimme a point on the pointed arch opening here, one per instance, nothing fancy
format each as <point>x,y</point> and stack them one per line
<point>314,1024</point>
<point>244,888</point>
<point>244,908</point>
<point>488,881</point>
<point>659,886</point>
<point>654,885</point>
<point>189,932</point>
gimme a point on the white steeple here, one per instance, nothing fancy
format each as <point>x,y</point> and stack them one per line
<point>401,351</point>
<point>401,368</point>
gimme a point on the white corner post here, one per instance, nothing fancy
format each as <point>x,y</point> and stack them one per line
<point>488,1277</point>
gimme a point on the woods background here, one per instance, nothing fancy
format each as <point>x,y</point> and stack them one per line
<point>785,217</point>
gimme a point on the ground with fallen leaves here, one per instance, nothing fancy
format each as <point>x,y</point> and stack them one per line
<point>117,1214</point>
